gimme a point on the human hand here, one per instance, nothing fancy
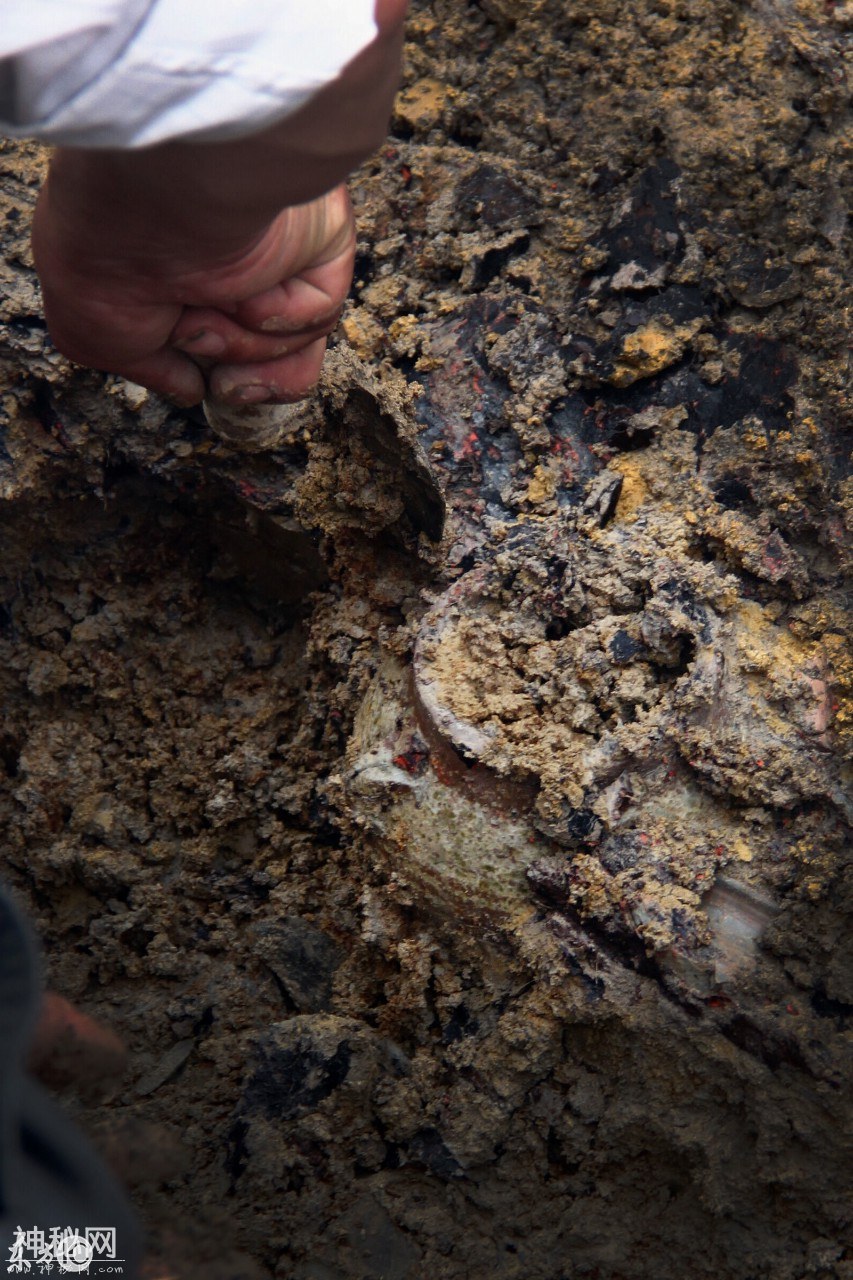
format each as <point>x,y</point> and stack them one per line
<point>216,268</point>
<point>243,325</point>
<point>70,1048</point>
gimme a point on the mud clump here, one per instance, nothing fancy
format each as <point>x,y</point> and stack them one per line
<point>449,801</point>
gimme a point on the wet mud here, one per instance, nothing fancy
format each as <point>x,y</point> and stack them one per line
<point>449,801</point>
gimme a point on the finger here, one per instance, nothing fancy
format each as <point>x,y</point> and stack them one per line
<point>290,378</point>
<point>106,332</point>
<point>70,1047</point>
<point>169,373</point>
<point>389,14</point>
<point>205,333</point>
<point>297,304</point>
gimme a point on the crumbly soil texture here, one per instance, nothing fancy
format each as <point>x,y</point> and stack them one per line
<point>449,802</point>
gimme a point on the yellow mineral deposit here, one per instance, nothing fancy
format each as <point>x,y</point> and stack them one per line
<point>421,105</point>
<point>650,349</point>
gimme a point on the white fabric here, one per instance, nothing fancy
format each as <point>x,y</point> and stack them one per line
<point>131,73</point>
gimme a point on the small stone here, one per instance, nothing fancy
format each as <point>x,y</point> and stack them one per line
<point>603,495</point>
<point>543,485</point>
<point>132,393</point>
<point>422,104</point>
<point>96,815</point>
<point>631,275</point>
<point>758,282</point>
<point>712,372</point>
<point>47,674</point>
<point>623,647</point>
<point>363,332</point>
<point>302,958</point>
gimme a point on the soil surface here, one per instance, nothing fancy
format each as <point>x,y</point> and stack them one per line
<point>449,803</point>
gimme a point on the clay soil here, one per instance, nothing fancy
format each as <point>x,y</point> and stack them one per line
<point>550,976</point>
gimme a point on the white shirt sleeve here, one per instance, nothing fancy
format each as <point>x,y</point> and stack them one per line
<point>132,73</point>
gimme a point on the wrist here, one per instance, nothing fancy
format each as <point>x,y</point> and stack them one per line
<point>135,211</point>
